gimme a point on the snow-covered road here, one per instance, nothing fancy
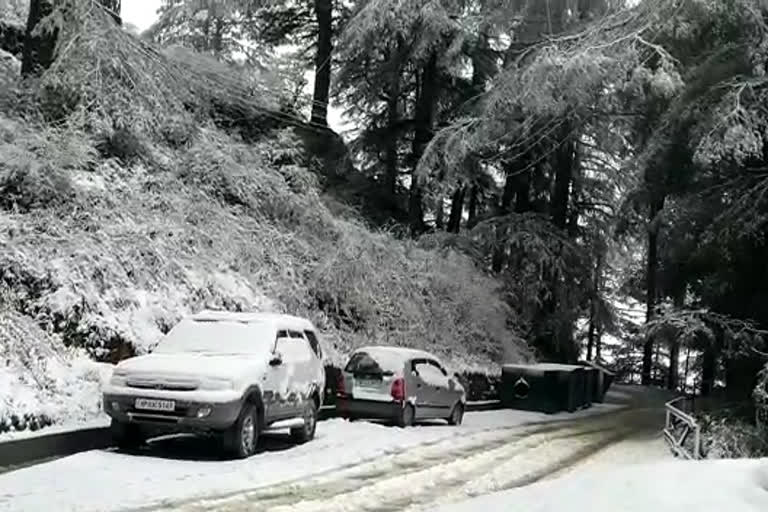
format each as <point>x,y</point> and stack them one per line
<point>439,473</point>
<point>350,466</point>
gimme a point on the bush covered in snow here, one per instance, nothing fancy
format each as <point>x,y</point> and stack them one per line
<point>124,216</point>
<point>727,438</point>
<point>41,382</point>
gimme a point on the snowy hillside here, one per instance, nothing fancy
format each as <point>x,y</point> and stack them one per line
<point>109,236</point>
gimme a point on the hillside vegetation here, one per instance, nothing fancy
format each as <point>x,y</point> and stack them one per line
<point>517,171</point>
<point>126,204</point>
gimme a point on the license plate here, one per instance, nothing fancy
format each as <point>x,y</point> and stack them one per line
<point>155,405</point>
<point>365,383</point>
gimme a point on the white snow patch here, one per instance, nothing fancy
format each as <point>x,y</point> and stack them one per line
<point>703,486</point>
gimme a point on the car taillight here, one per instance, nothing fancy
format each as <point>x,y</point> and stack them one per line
<point>398,389</point>
<point>341,390</point>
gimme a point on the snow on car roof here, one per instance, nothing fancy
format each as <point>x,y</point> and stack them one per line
<point>544,367</point>
<point>396,355</point>
<point>279,321</point>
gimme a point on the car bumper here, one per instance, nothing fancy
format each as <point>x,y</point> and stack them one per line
<point>373,409</point>
<point>188,416</point>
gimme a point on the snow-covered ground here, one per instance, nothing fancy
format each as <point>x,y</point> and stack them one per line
<point>343,455</point>
<point>605,459</point>
<point>670,486</point>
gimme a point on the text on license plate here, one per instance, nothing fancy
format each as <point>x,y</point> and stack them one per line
<point>155,405</point>
<point>365,383</point>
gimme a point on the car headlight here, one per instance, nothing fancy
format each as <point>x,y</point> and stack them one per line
<point>119,378</point>
<point>216,384</point>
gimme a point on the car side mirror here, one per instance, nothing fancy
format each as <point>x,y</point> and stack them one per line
<point>277,359</point>
<point>451,384</point>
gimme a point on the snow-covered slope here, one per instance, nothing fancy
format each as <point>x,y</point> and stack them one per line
<point>108,256</point>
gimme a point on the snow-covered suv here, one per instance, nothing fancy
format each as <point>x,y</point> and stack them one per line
<point>236,374</point>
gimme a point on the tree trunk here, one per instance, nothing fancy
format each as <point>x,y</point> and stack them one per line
<point>656,366</point>
<point>741,377</point>
<point>481,63</point>
<point>472,208</point>
<point>674,366</point>
<point>426,100</point>
<point>687,365</point>
<point>38,50</point>
<point>575,196</point>
<point>564,167</point>
<point>674,349</point>
<point>593,328</point>
<point>457,209</point>
<point>324,15</point>
<point>206,41</point>
<point>393,116</point>
<point>650,276</point>
<point>709,361</point>
<point>440,214</point>
<point>599,344</point>
<point>510,187</point>
<point>217,45</point>
<point>523,196</point>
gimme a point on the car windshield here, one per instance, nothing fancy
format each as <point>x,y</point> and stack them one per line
<point>195,336</point>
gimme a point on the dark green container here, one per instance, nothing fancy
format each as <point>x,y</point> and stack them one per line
<point>591,378</point>
<point>544,387</point>
<point>601,382</point>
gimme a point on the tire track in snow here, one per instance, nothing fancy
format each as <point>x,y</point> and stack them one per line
<point>460,441</point>
<point>426,474</point>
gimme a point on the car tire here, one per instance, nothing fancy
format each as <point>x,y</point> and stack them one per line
<point>407,416</point>
<point>307,432</point>
<point>457,415</point>
<point>126,436</point>
<point>242,438</point>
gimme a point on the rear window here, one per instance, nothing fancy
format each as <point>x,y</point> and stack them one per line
<point>368,364</point>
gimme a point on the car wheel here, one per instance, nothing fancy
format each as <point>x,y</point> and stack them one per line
<point>242,437</point>
<point>307,432</point>
<point>126,435</point>
<point>457,414</point>
<point>407,415</point>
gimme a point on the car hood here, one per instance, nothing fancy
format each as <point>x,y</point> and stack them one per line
<point>194,365</point>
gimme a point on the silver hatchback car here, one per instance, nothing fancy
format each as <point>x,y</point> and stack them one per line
<point>398,384</point>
